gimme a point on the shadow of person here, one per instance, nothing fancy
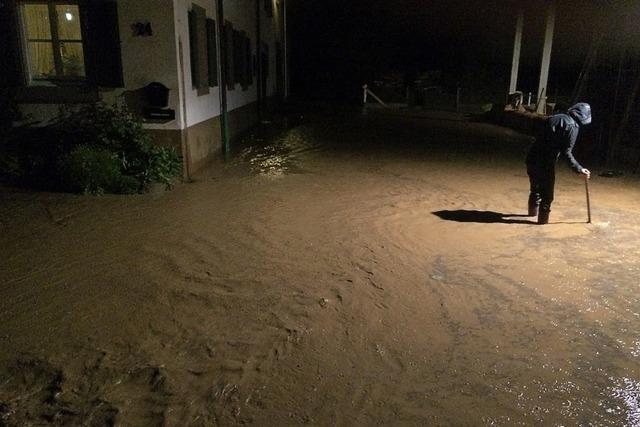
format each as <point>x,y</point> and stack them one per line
<point>462,215</point>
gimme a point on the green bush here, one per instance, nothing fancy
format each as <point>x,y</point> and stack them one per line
<point>96,149</point>
<point>115,129</point>
<point>165,165</point>
<point>90,170</point>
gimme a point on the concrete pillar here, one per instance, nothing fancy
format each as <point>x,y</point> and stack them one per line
<point>546,58</point>
<point>517,43</point>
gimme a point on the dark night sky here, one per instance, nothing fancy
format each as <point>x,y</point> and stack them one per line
<point>344,43</point>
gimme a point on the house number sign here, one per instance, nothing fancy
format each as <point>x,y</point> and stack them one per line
<point>142,29</point>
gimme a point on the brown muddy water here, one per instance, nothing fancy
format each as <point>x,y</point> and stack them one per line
<point>342,270</point>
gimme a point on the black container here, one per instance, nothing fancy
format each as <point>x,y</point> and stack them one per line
<point>157,95</point>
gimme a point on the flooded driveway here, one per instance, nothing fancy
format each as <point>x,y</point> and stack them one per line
<point>341,270</point>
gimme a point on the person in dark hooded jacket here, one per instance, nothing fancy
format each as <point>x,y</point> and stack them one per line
<point>559,137</point>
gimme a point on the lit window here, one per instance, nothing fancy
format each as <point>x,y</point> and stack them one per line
<point>53,40</point>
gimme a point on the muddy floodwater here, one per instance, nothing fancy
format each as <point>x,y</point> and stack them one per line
<point>338,269</point>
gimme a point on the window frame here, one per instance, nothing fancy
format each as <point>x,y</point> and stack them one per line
<point>55,42</point>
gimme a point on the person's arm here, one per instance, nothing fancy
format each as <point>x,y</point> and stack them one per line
<point>567,151</point>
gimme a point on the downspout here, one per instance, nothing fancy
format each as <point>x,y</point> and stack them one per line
<point>184,138</point>
<point>258,60</point>
<point>222,77</point>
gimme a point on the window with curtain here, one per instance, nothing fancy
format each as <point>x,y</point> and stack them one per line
<point>53,40</point>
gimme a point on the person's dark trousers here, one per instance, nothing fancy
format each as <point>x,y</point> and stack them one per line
<point>534,182</point>
<point>542,176</point>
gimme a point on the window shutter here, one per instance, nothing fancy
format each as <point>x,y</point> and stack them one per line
<point>242,56</point>
<point>10,65</point>
<point>103,56</point>
<point>193,48</point>
<point>237,58</point>
<point>229,56</point>
<point>198,49</point>
<point>212,51</point>
<point>248,69</point>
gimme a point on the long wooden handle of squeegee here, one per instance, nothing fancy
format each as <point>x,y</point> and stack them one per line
<point>586,187</point>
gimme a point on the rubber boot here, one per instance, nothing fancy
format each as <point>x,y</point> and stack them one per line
<point>534,203</point>
<point>543,216</point>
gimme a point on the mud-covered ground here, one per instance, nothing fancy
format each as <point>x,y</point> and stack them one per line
<point>346,271</point>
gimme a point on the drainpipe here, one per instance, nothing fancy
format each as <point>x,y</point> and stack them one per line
<point>258,61</point>
<point>184,137</point>
<point>222,76</point>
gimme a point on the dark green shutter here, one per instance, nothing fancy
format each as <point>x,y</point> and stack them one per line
<point>242,57</point>
<point>248,71</point>
<point>103,56</point>
<point>237,58</point>
<point>198,49</point>
<point>11,73</point>
<point>212,52</point>
<point>193,47</point>
<point>229,57</point>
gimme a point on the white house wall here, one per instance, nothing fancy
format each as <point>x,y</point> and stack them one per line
<point>164,57</point>
<point>144,59</point>
<point>198,108</point>
<point>157,58</point>
<point>150,58</point>
<point>242,14</point>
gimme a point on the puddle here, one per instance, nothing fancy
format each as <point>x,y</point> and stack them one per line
<point>275,156</point>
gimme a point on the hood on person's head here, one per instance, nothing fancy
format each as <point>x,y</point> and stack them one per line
<point>581,112</point>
